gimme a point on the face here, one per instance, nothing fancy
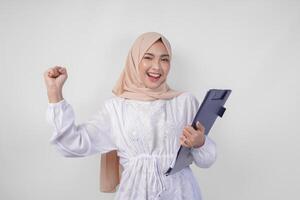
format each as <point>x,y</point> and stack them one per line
<point>154,66</point>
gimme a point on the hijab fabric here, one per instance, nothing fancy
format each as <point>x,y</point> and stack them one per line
<point>130,86</point>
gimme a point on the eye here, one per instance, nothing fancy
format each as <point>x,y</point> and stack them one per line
<point>147,57</point>
<point>165,59</point>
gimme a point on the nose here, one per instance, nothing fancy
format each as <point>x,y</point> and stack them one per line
<point>156,64</point>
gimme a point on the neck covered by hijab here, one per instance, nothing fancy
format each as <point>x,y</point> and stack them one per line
<point>130,86</point>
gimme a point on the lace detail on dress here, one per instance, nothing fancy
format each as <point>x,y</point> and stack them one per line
<point>141,127</point>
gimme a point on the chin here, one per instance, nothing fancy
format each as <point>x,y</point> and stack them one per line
<point>153,86</point>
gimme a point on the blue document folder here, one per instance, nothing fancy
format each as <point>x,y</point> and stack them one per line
<point>211,108</point>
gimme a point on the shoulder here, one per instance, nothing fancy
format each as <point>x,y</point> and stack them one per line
<point>184,102</point>
<point>112,101</point>
<point>186,98</point>
<point>186,105</point>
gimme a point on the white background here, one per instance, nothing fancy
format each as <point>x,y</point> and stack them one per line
<point>251,47</point>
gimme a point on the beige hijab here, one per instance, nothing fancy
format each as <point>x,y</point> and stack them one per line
<point>130,86</point>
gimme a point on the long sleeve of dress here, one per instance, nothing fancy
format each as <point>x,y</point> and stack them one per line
<point>93,136</point>
<point>205,155</point>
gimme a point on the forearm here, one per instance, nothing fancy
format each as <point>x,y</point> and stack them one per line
<point>93,136</point>
<point>70,139</point>
<point>54,95</point>
<point>205,155</point>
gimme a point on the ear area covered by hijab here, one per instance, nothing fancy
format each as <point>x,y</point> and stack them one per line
<point>130,86</point>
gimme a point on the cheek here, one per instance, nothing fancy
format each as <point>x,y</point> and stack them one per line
<point>145,63</point>
<point>166,69</point>
<point>143,67</point>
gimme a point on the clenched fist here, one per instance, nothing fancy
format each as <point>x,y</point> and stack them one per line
<point>55,78</point>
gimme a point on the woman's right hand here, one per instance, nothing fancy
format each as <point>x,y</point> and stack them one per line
<point>55,78</point>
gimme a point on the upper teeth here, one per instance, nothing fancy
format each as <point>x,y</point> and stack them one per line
<point>154,75</point>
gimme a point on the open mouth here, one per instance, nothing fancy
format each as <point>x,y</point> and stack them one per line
<point>153,76</point>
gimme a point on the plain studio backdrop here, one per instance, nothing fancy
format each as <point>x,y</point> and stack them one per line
<point>251,47</point>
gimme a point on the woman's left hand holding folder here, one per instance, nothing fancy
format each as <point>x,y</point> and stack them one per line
<point>193,137</point>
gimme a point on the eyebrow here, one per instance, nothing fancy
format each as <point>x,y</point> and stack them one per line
<point>162,55</point>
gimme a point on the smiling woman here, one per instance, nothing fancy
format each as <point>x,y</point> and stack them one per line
<point>155,65</point>
<point>140,129</point>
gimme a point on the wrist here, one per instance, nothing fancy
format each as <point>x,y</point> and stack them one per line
<point>202,143</point>
<point>55,96</point>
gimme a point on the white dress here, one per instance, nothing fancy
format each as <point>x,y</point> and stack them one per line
<point>146,137</point>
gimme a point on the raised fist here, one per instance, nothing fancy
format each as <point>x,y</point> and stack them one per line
<point>55,77</point>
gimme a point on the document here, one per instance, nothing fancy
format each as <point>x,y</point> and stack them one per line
<point>211,107</point>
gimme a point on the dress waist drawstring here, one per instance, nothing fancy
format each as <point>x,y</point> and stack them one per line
<point>157,172</point>
<point>160,178</point>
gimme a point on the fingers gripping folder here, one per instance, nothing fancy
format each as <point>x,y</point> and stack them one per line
<point>211,107</point>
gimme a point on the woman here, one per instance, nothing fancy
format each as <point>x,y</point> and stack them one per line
<point>144,123</point>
